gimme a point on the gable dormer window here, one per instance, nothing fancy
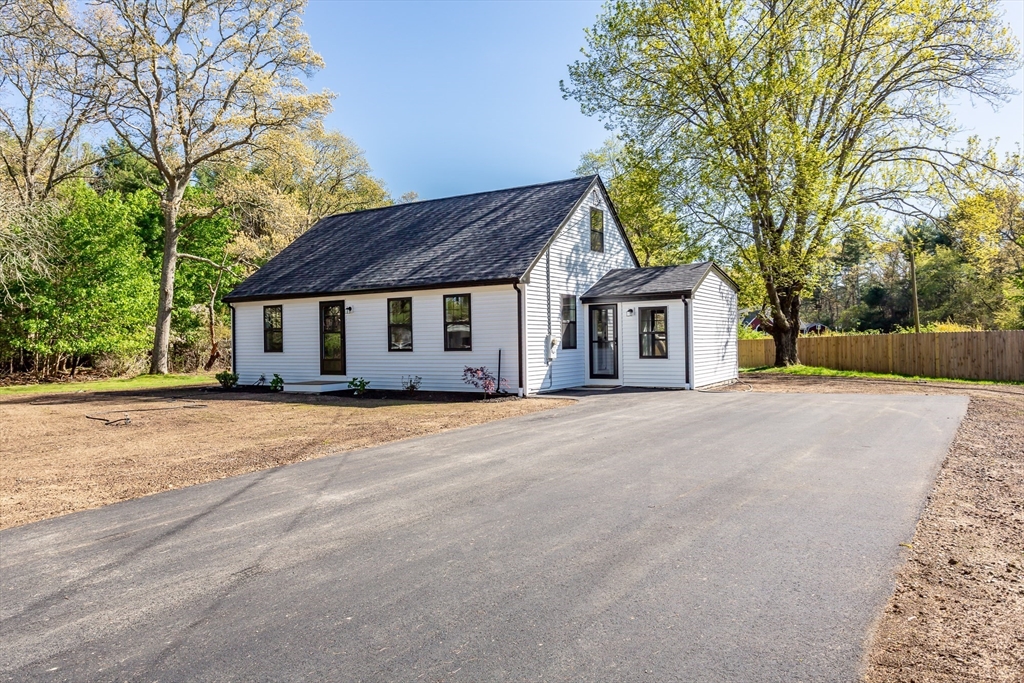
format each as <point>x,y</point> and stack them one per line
<point>596,230</point>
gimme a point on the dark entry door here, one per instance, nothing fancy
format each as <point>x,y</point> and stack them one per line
<point>332,337</point>
<point>604,346</point>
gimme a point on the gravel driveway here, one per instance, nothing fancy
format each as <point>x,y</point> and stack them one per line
<point>646,536</point>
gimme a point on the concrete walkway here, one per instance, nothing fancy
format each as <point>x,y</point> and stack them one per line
<point>631,537</point>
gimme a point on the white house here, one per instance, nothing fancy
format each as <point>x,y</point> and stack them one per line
<point>538,283</point>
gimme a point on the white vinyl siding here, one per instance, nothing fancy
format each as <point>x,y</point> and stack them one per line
<point>653,372</point>
<point>494,327</point>
<point>574,268</point>
<point>714,332</point>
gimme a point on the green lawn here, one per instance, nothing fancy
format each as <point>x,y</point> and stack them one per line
<point>811,371</point>
<point>129,384</point>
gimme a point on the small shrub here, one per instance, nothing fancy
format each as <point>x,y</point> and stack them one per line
<point>227,379</point>
<point>358,384</point>
<point>947,326</point>
<point>411,383</point>
<point>482,379</point>
<point>745,332</point>
<point>277,384</point>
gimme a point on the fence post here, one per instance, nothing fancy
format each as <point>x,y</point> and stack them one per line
<point>889,351</point>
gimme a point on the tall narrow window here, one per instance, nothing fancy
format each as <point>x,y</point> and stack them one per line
<point>596,230</point>
<point>273,329</point>
<point>332,337</point>
<point>457,330</point>
<point>400,324</point>
<point>654,332</point>
<point>568,321</point>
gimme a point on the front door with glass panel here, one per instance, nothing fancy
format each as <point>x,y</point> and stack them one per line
<point>604,352</point>
<point>332,337</point>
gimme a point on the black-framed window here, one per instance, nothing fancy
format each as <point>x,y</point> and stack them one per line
<point>568,321</point>
<point>654,332</point>
<point>596,230</point>
<point>273,329</point>
<point>458,331</point>
<point>332,337</point>
<point>400,324</point>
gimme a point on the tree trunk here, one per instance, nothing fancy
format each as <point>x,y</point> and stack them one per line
<point>212,308</point>
<point>785,339</point>
<point>169,204</point>
<point>913,284</point>
<point>785,346</point>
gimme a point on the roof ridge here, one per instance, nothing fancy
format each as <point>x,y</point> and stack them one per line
<point>468,194</point>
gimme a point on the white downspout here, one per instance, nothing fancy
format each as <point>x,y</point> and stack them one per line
<point>524,336</point>
<point>691,375</point>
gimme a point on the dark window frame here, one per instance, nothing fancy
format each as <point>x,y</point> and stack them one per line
<point>391,325</point>
<point>469,321</point>
<point>599,233</point>
<point>340,303</point>
<point>652,333</point>
<point>569,304</point>
<point>267,331</point>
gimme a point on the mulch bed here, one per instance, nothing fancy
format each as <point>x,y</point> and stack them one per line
<point>385,394</point>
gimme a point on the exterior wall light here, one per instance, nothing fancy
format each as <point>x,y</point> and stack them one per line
<point>348,309</point>
<point>629,312</point>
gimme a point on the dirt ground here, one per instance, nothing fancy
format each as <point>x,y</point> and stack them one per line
<point>55,459</point>
<point>957,612</point>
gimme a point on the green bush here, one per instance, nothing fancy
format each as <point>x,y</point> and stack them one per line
<point>227,379</point>
<point>359,385</point>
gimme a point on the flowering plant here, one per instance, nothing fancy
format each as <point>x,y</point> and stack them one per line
<point>482,379</point>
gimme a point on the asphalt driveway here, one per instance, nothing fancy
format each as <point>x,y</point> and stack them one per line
<point>632,537</point>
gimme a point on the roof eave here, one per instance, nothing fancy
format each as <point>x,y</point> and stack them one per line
<point>724,275</point>
<point>646,296</point>
<point>231,299</point>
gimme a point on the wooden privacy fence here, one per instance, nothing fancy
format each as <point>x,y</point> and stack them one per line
<point>995,355</point>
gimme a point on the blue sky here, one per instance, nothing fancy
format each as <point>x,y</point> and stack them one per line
<point>455,97</point>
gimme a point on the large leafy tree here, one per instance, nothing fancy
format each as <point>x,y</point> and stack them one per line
<point>97,296</point>
<point>655,229</point>
<point>189,83</point>
<point>784,121</point>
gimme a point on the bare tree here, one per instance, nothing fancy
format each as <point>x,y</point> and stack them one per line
<point>45,103</point>
<point>188,83</point>
<point>25,240</point>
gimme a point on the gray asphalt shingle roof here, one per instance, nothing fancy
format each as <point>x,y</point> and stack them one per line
<point>659,281</point>
<point>476,238</point>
